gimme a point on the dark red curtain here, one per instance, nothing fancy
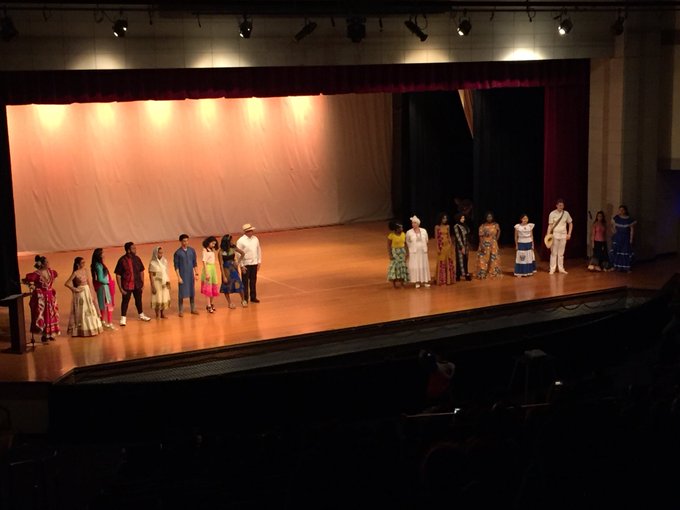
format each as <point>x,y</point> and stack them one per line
<point>565,170</point>
<point>59,87</point>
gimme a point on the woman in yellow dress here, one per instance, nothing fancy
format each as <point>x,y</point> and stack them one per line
<point>446,262</point>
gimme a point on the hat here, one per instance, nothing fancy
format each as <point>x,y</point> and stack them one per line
<point>548,240</point>
<point>248,227</point>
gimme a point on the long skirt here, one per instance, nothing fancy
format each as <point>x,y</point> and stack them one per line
<point>44,312</point>
<point>234,284</point>
<point>209,282</point>
<point>419,267</point>
<point>525,261</point>
<point>161,299</point>
<point>84,317</point>
<point>488,260</point>
<point>446,266</point>
<point>398,270</point>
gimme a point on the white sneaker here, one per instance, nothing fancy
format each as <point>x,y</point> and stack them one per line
<point>563,271</point>
<point>123,321</point>
<point>143,317</point>
<point>244,303</point>
<point>427,285</point>
<point>417,285</point>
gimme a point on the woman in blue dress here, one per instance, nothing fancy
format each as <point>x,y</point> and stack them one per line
<point>621,255</point>
<point>231,280</point>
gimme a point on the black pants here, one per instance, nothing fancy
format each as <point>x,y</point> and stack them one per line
<point>461,265</point>
<point>249,277</point>
<point>126,300</point>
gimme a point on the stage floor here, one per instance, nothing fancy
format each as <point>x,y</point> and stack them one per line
<point>311,280</point>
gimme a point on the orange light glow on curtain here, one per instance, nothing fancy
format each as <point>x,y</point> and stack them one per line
<point>88,175</point>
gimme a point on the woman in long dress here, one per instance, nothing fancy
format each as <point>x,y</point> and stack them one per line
<point>231,279</point>
<point>418,262</point>
<point>488,256</point>
<point>525,260</point>
<point>43,302</point>
<point>84,318</point>
<point>446,266</point>
<point>461,235</point>
<point>397,271</point>
<point>622,240</point>
<point>104,286</point>
<point>160,282</point>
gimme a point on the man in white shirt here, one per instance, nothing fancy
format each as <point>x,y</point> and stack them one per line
<point>250,262</point>
<point>560,226</point>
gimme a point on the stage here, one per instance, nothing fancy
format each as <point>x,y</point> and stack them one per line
<point>323,292</point>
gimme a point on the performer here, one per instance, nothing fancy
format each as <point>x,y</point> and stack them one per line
<point>185,263</point>
<point>159,281</point>
<point>130,278</point>
<point>445,256</point>
<point>598,236</point>
<point>231,280</point>
<point>104,286</point>
<point>525,260</point>
<point>560,226</point>
<point>623,227</point>
<point>84,318</point>
<point>488,256</point>
<point>461,234</point>
<point>43,302</point>
<point>250,262</point>
<point>418,261</point>
<point>397,271</point>
<point>209,283</point>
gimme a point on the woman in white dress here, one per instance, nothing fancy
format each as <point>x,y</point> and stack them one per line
<point>84,317</point>
<point>418,262</point>
<point>160,282</point>
<point>525,261</point>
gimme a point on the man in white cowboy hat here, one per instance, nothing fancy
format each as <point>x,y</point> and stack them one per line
<point>560,226</point>
<point>250,262</point>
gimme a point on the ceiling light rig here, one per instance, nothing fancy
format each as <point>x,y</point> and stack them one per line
<point>415,29</point>
<point>617,26</point>
<point>565,25</point>
<point>120,27</point>
<point>306,30</point>
<point>356,28</point>
<point>245,28</point>
<point>464,25</point>
<point>7,29</point>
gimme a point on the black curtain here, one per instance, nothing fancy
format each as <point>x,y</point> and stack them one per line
<point>433,162</point>
<point>508,157</point>
<point>9,265</point>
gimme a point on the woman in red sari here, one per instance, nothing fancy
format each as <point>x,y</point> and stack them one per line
<point>43,302</point>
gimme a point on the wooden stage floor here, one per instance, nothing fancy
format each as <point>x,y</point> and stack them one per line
<point>311,280</point>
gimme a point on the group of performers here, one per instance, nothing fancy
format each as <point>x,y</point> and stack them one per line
<point>408,251</point>
<point>89,317</point>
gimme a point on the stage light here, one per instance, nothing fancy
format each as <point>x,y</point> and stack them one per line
<point>415,29</point>
<point>356,29</point>
<point>617,26</point>
<point>245,28</point>
<point>7,29</point>
<point>309,27</point>
<point>565,26</point>
<point>120,28</point>
<point>464,27</point>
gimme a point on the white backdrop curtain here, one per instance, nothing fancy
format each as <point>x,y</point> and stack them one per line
<point>101,174</point>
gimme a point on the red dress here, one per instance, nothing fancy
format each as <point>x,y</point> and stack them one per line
<point>43,303</point>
